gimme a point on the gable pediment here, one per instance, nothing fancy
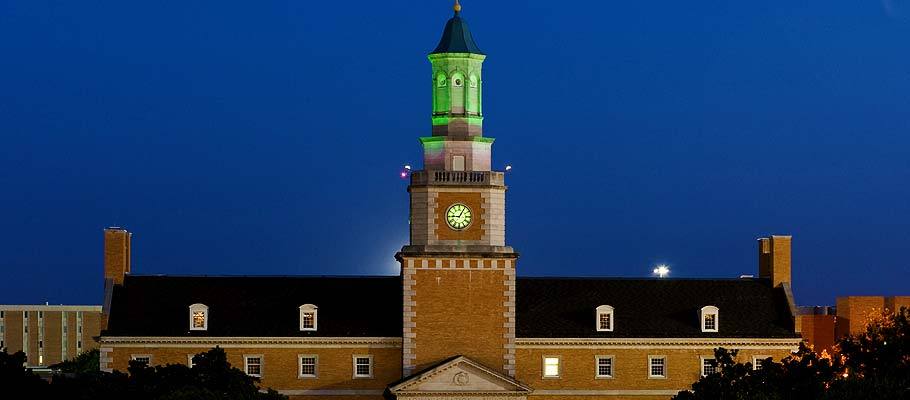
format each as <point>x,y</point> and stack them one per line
<point>459,375</point>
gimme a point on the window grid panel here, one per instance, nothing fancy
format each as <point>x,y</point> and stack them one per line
<point>363,366</point>
<point>605,321</point>
<point>658,367</point>
<point>308,320</point>
<point>708,366</point>
<point>605,366</point>
<point>710,322</point>
<point>308,366</point>
<point>254,366</point>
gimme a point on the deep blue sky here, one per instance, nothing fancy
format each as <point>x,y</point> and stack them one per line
<point>265,137</point>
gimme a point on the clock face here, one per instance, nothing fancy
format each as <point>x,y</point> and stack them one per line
<point>458,216</point>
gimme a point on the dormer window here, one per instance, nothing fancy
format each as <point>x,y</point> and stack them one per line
<point>604,322</point>
<point>709,319</point>
<point>199,317</point>
<point>308,317</point>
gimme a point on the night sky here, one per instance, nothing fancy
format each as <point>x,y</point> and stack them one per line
<point>266,138</point>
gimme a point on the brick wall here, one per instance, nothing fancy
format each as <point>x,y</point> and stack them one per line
<point>630,367</point>
<point>459,308</point>
<point>280,370</point>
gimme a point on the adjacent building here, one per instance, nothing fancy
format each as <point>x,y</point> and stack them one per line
<point>458,321</point>
<point>49,334</point>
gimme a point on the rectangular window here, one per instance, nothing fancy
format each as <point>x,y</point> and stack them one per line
<point>551,367</point>
<point>40,314</point>
<point>604,366</point>
<point>308,366</point>
<point>363,366</point>
<point>708,366</point>
<point>142,358</point>
<point>606,322</point>
<point>309,321</point>
<point>710,322</point>
<point>253,365</point>
<point>199,319</point>
<point>657,367</point>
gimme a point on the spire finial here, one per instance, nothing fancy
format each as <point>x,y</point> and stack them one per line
<point>457,7</point>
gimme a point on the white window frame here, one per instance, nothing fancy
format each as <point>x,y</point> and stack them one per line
<point>354,373</point>
<point>543,366</point>
<point>246,364</point>
<point>597,359</point>
<point>135,357</point>
<point>756,361</point>
<point>704,313</point>
<point>309,308</point>
<point>205,320</point>
<point>650,364</point>
<point>602,310</point>
<point>315,374</point>
<point>702,364</point>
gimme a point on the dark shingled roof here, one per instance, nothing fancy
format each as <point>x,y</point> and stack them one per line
<point>372,307</point>
<point>257,306</point>
<point>651,308</point>
<point>456,38</point>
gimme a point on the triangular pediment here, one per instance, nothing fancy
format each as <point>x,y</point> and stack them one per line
<point>459,375</point>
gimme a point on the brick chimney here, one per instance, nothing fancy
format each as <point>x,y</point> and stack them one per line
<point>116,266</point>
<point>116,254</point>
<point>774,259</point>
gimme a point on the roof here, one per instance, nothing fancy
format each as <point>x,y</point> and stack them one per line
<point>257,306</point>
<point>651,308</point>
<point>359,306</point>
<point>456,38</point>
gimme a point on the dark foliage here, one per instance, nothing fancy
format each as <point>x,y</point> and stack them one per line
<point>871,365</point>
<point>211,378</point>
<point>84,363</point>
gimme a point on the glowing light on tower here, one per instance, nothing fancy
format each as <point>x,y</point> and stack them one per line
<point>662,271</point>
<point>405,172</point>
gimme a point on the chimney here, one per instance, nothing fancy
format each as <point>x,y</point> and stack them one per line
<point>774,259</point>
<point>116,255</point>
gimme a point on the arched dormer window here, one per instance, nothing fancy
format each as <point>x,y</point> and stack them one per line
<point>604,322</point>
<point>709,317</point>
<point>441,80</point>
<point>199,317</point>
<point>308,317</point>
<point>457,80</point>
<point>473,81</point>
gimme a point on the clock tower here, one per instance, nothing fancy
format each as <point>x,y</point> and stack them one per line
<point>458,275</point>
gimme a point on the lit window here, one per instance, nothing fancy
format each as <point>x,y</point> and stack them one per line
<point>604,322</point>
<point>708,366</point>
<point>199,317</point>
<point>308,317</point>
<point>253,365</point>
<point>363,366</point>
<point>308,366</point>
<point>144,359</point>
<point>709,319</point>
<point>551,367</point>
<point>457,81</point>
<point>657,367</point>
<point>604,366</point>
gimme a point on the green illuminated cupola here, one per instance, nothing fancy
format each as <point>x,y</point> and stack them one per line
<point>457,102</point>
